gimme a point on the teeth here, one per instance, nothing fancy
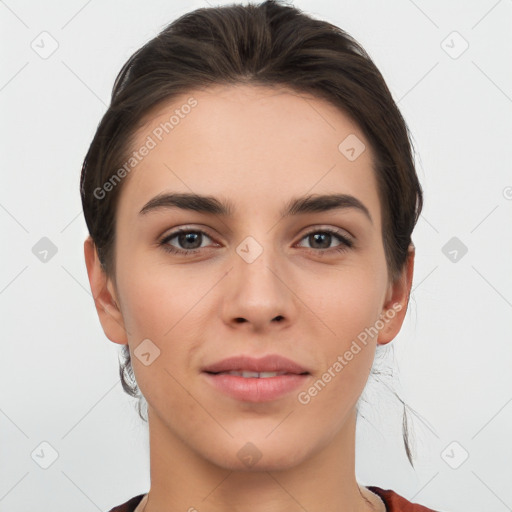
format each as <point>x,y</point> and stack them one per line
<point>255,375</point>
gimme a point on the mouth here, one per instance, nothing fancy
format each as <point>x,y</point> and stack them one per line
<point>249,379</point>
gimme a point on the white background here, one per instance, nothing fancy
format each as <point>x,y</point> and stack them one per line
<point>452,361</point>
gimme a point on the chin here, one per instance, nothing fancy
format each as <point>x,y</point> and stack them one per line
<point>247,456</point>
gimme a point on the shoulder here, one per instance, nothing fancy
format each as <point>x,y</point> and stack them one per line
<point>396,503</point>
<point>130,505</point>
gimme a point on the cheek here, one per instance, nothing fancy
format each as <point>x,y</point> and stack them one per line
<point>347,309</point>
<point>346,301</point>
<point>158,296</point>
<point>161,305</point>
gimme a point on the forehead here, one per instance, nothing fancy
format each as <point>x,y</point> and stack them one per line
<point>256,145</point>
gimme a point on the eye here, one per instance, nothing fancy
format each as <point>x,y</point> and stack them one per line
<point>189,239</point>
<point>321,239</point>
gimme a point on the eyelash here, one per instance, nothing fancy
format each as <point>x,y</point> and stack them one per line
<point>345,244</point>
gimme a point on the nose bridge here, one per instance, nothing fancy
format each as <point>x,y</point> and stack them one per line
<point>256,265</point>
<point>255,290</point>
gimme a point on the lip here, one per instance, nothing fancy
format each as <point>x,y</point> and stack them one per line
<point>268,363</point>
<point>254,389</point>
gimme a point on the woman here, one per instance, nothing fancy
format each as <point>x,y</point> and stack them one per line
<point>250,196</point>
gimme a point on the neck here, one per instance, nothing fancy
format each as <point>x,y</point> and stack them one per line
<point>182,479</point>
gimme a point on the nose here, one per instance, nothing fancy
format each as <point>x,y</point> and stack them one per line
<point>256,293</point>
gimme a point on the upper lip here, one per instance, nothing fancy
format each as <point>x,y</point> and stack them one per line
<point>268,363</point>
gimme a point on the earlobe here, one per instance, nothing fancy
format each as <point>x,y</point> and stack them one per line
<point>397,300</point>
<point>107,307</point>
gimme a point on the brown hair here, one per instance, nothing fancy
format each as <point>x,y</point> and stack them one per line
<point>267,44</point>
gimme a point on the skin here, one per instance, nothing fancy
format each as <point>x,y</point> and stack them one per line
<point>257,147</point>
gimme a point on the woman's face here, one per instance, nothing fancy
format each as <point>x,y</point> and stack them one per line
<point>307,284</point>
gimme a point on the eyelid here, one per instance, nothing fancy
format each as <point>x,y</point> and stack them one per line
<point>180,229</point>
<point>330,229</point>
<point>345,242</point>
<point>169,235</point>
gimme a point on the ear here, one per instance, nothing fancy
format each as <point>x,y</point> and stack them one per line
<point>397,300</point>
<point>104,295</point>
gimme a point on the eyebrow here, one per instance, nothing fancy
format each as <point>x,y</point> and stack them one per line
<point>214,206</point>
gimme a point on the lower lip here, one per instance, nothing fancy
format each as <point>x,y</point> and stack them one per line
<point>256,389</point>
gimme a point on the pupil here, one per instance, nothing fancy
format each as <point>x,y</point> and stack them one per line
<point>186,238</point>
<point>324,236</point>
